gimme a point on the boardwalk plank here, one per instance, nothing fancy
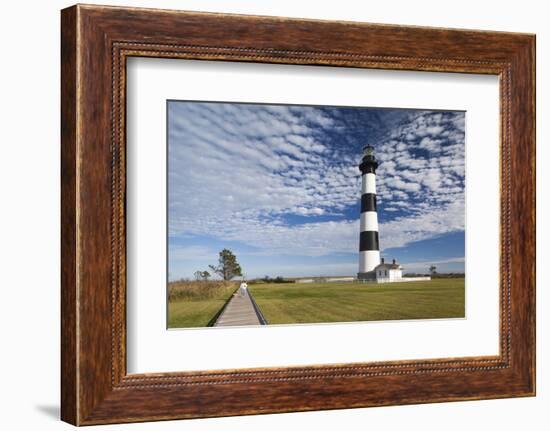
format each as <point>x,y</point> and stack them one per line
<point>238,312</point>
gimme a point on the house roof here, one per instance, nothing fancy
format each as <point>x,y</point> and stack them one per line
<point>388,266</point>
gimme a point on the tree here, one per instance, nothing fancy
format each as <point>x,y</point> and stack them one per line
<point>432,269</point>
<point>201,275</point>
<point>228,267</point>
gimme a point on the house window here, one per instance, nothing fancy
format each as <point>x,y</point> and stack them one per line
<point>386,272</point>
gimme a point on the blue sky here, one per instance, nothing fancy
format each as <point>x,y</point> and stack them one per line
<point>279,186</point>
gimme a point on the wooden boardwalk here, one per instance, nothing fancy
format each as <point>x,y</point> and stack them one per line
<point>238,312</point>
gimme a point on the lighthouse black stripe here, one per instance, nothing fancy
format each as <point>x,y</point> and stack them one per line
<point>368,167</point>
<point>368,202</point>
<point>368,240</point>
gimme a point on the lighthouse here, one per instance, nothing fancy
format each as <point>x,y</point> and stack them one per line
<point>369,249</point>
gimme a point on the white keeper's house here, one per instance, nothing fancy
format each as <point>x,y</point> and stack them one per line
<point>388,272</point>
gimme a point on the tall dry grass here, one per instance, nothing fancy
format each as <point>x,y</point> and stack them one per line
<point>197,290</point>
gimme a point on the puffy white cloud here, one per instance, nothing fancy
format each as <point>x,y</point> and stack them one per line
<point>430,167</point>
<point>236,171</point>
<point>424,225</point>
<point>430,144</point>
<point>398,183</point>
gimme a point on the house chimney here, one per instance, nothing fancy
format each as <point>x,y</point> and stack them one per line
<point>393,261</point>
<point>382,260</point>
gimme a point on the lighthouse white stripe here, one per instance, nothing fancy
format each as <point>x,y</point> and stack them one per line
<point>368,260</point>
<point>369,221</point>
<point>368,183</point>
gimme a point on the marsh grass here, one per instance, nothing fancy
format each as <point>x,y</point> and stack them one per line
<point>198,290</point>
<point>194,304</point>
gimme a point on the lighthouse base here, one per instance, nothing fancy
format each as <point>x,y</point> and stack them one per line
<point>370,275</point>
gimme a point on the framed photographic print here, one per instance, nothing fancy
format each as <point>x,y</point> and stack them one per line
<point>267,215</point>
<point>300,198</point>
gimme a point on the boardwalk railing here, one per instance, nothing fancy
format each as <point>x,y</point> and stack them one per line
<point>261,317</point>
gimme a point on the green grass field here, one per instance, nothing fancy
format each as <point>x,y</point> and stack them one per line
<point>347,302</point>
<point>195,304</point>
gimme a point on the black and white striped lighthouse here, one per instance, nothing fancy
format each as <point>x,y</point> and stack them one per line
<point>369,249</point>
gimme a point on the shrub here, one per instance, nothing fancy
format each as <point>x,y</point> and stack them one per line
<point>197,290</point>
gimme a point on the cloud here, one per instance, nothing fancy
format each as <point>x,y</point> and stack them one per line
<point>398,183</point>
<point>284,179</point>
<point>429,144</point>
<point>259,157</point>
<point>424,225</point>
<point>273,237</point>
<point>429,169</point>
